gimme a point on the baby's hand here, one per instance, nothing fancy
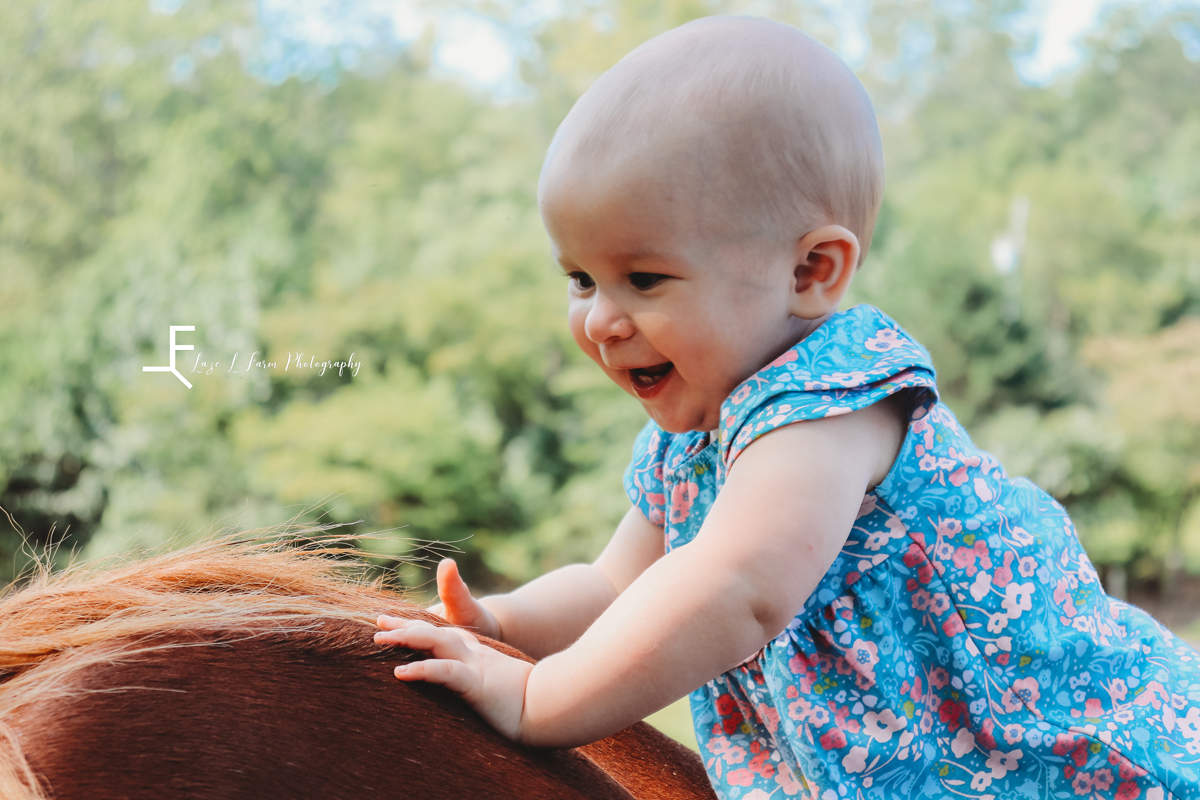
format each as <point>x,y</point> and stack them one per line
<point>489,681</point>
<point>458,607</point>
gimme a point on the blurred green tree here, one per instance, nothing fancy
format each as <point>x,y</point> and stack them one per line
<point>1041,241</point>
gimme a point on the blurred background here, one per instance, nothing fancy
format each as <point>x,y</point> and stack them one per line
<point>325,181</point>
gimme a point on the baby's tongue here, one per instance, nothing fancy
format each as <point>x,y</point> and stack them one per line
<point>648,376</point>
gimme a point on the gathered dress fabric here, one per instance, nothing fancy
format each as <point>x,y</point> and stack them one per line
<point>960,645</point>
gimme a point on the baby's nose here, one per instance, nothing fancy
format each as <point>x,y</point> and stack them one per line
<point>607,321</point>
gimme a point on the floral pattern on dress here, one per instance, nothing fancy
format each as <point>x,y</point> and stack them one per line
<point>960,645</point>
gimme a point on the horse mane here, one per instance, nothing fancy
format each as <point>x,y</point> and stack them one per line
<point>60,625</point>
<point>97,645</point>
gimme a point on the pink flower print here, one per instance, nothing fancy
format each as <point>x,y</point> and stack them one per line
<point>877,539</point>
<point>981,781</point>
<point>983,491</point>
<point>949,527</point>
<point>1022,536</point>
<point>800,664</point>
<point>885,340</point>
<point>1004,575</point>
<point>1082,783</point>
<point>940,603</point>
<point>985,735</point>
<point>833,739</point>
<point>1127,791</point>
<point>720,745</point>
<point>740,777</point>
<point>769,715</point>
<point>1018,598</point>
<point>881,726</point>
<point>800,709</point>
<point>741,394</point>
<point>959,476</point>
<point>1026,566</point>
<point>1064,599</point>
<point>761,763</point>
<point>1102,779</point>
<point>786,358</point>
<point>963,743</point>
<point>736,754</point>
<point>965,556</point>
<point>1001,763</point>
<point>982,586</point>
<point>1092,708</point>
<point>997,622</point>
<point>1126,769</point>
<point>938,678</point>
<point>868,505</point>
<point>1118,689</point>
<point>921,600</point>
<point>1155,695</point>
<point>863,656</point>
<point>819,716</point>
<point>787,781</point>
<point>1023,694</point>
<point>943,551</point>
<point>922,426</point>
<point>1013,733</point>
<point>855,760</point>
<point>953,626</point>
<point>682,497</point>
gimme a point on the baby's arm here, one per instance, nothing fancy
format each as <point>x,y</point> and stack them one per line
<point>549,613</point>
<point>780,520</point>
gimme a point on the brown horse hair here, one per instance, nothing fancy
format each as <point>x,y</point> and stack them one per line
<point>61,630</point>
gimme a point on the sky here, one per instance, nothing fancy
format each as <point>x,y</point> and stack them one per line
<point>484,53</point>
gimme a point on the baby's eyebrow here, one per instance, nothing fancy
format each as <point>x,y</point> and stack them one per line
<point>625,259</point>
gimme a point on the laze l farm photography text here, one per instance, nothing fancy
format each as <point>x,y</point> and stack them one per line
<point>238,364</point>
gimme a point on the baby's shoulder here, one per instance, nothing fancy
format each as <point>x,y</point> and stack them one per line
<point>856,359</point>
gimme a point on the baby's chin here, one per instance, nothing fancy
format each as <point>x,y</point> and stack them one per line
<point>674,422</point>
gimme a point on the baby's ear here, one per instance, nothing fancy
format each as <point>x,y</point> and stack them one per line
<point>825,262</point>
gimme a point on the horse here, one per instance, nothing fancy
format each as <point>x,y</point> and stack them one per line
<point>246,669</point>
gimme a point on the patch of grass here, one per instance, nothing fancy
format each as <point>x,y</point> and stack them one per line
<point>676,721</point>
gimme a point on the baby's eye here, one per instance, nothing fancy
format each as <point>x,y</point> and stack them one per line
<point>645,280</point>
<point>581,280</point>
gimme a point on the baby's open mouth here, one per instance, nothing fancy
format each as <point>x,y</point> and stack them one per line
<point>647,377</point>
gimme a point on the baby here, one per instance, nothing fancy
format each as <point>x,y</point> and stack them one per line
<point>860,602</point>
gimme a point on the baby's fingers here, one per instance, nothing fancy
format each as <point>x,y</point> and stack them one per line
<point>454,675</point>
<point>418,635</point>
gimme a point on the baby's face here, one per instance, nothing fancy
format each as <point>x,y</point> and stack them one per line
<point>676,312</point>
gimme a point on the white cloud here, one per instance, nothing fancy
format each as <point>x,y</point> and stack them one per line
<point>474,47</point>
<point>1063,24</point>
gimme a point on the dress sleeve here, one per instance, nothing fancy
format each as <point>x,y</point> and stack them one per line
<point>856,359</point>
<point>644,475</point>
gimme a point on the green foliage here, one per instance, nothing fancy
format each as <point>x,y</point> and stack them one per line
<point>148,180</point>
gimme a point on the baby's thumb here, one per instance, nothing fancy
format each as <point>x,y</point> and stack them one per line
<point>454,594</point>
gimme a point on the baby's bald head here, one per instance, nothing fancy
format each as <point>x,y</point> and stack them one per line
<point>764,129</point>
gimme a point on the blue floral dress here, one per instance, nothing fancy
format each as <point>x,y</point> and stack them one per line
<point>959,646</point>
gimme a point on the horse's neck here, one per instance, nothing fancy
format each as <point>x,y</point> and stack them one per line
<point>270,716</point>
